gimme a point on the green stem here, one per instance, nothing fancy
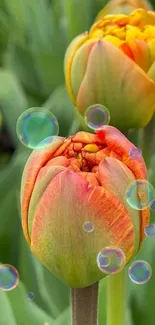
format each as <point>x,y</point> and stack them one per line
<point>116,299</point>
<point>84,305</point>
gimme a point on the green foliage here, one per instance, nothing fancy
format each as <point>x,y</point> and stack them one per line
<point>34,35</point>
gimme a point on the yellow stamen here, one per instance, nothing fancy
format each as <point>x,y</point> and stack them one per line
<point>91,148</point>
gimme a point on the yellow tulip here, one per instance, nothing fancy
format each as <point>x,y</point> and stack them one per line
<point>114,64</point>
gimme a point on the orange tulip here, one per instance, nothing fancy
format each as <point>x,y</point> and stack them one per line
<point>79,179</point>
<point>114,65</point>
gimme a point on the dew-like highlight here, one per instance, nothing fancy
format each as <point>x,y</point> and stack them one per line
<point>35,128</point>
<point>140,272</point>
<point>152,205</point>
<point>9,277</point>
<point>111,259</point>
<point>150,230</point>
<point>139,193</point>
<point>30,296</point>
<point>135,153</point>
<point>96,116</point>
<point>88,226</point>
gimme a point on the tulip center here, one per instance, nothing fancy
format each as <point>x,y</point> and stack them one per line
<point>133,34</point>
<point>84,158</point>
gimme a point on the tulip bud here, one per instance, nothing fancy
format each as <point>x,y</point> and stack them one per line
<point>77,180</point>
<point>114,65</point>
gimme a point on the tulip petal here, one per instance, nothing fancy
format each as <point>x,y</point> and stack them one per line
<point>71,50</point>
<point>44,177</point>
<point>115,177</point>
<point>58,238</point>
<point>79,65</point>
<point>117,142</point>
<point>37,159</point>
<point>151,72</point>
<point>140,53</point>
<point>110,80</point>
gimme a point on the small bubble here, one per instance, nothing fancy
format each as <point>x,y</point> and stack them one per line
<point>46,323</point>
<point>111,260</point>
<point>139,193</point>
<point>152,205</point>
<point>140,272</point>
<point>35,128</point>
<point>96,116</point>
<point>30,296</point>
<point>135,153</point>
<point>150,230</point>
<point>88,226</point>
<point>9,277</point>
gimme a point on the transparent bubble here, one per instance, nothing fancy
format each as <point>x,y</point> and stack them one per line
<point>150,230</point>
<point>30,296</point>
<point>96,116</point>
<point>111,259</point>
<point>35,127</point>
<point>139,193</point>
<point>152,205</point>
<point>9,277</point>
<point>135,153</point>
<point>46,323</point>
<point>140,272</point>
<point>88,226</point>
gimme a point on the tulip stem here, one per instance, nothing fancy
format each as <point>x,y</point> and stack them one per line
<point>84,305</point>
<point>116,299</point>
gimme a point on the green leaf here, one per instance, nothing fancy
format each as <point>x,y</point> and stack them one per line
<point>65,318</point>
<point>26,311</point>
<point>6,312</point>
<point>60,105</point>
<point>12,101</point>
<point>102,302</point>
<point>141,297</point>
<point>51,294</point>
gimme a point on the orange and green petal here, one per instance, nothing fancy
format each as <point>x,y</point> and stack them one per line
<point>37,159</point>
<point>109,82</point>
<point>58,238</point>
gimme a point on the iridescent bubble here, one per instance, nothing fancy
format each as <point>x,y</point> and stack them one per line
<point>30,296</point>
<point>96,116</point>
<point>88,226</point>
<point>139,193</point>
<point>135,153</point>
<point>36,126</point>
<point>150,230</point>
<point>9,277</point>
<point>140,272</point>
<point>152,205</point>
<point>115,261</point>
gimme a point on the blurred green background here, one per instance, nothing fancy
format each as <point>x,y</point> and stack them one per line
<point>34,35</point>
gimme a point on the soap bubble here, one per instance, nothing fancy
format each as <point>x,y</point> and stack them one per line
<point>139,193</point>
<point>135,153</point>
<point>96,116</point>
<point>140,272</point>
<point>35,128</point>
<point>9,277</point>
<point>150,230</point>
<point>111,259</point>
<point>30,296</point>
<point>88,226</point>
